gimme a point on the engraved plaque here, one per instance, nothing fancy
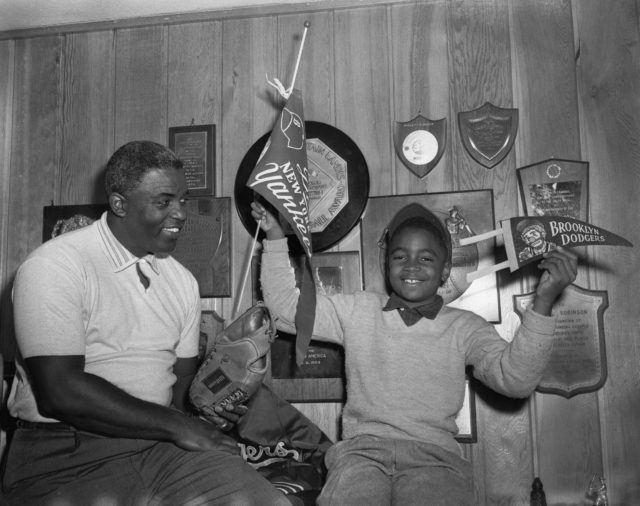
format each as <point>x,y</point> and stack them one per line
<point>555,187</point>
<point>578,360</point>
<point>338,186</point>
<point>488,133</point>
<point>328,184</point>
<point>420,143</point>
<point>195,146</point>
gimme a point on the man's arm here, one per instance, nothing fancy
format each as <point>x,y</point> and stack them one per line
<point>65,392</point>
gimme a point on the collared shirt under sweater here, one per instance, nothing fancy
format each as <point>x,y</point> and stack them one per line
<point>408,382</point>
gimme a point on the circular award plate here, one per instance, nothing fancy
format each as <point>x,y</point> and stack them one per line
<point>338,186</point>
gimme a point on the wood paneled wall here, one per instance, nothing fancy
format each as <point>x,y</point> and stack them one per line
<point>67,100</point>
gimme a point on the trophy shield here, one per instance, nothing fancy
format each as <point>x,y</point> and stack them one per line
<point>578,360</point>
<point>419,143</point>
<point>488,133</point>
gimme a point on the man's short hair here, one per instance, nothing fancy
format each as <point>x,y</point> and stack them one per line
<point>128,165</point>
<point>417,216</point>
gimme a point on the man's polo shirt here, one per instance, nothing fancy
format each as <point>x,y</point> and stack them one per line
<point>80,294</point>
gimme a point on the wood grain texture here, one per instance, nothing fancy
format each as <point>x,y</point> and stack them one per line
<point>250,106</point>
<point>480,71</point>
<point>571,67</point>
<point>544,77</point>
<point>88,85</point>
<point>7,61</point>
<point>420,85</point>
<point>315,77</point>
<point>608,71</point>
<point>141,85</point>
<point>194,81</point>
<point>34,151</point>
<point>363,100</point>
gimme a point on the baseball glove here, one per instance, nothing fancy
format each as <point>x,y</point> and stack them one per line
<point>236,364</point>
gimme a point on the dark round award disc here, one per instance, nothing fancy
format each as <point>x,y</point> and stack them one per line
<point>326,142</point>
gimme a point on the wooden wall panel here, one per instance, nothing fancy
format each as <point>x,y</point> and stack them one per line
<point>194,75</point>
<point>608,75</point>
<point>480,71</point>
<point>34,152</point>
<point>141,85</point>
<point>250,106</point>
<point>420,85</point>
<point>544,79</point>
<point>7,62</point>
<point>363,99</point>
<point>315,76</point>
<point>570,67</point>
<point>87,116</point>
<point>194,90</point>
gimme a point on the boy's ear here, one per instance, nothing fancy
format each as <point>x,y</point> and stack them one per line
<point>445,273</point>
<point>118,204</point>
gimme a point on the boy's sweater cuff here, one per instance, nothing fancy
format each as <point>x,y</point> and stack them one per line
<point>276,246</point>
<point>542,324</point>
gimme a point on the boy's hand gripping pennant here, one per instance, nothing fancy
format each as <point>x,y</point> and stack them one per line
<point>526,239</point>
<point>282,178</point>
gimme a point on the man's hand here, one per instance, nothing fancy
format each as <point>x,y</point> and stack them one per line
<point>225,416</point>
<point>560,268</point>
<point>268,222</point>
<point>197,434</point>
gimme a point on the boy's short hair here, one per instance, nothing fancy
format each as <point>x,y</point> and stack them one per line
<point>417,216</point>
<point>128,165</point>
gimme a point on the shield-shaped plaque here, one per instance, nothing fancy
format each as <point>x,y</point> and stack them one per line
<point>578,361</point>
<point>420,143</point>
<point>488,133</point>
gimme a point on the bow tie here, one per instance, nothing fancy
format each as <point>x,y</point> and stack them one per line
<point>411,315</point>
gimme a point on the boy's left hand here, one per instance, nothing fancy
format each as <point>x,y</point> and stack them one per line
<point>560,270</point>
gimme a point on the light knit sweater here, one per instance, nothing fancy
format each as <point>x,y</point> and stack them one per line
<point>408,382</point>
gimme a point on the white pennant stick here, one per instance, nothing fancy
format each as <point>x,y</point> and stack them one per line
<point>471,276</point>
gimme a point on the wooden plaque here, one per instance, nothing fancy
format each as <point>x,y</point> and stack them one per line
<point>338,186</point>
<point>420,143</point>
<point>578,361</point>
<point>555,187</point>
<point>488,133</point>
<point>195,146</point>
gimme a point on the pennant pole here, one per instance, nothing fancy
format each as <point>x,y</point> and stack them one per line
<point>307,24</point>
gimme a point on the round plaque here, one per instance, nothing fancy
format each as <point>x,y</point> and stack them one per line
<point>338,186</point>
<point>420,147</point>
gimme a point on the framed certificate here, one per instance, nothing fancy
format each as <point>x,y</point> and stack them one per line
<point>195,146</point>
<point>555,187</point>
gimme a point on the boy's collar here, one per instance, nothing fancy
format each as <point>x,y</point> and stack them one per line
<point>409,315</point>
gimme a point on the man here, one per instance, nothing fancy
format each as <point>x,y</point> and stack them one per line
<point>107,326</point>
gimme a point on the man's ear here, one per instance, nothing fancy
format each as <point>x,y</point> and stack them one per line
<point>118,204</point>
<point>445,273</point>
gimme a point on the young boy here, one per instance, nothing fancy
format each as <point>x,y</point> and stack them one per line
<point>405,359</point>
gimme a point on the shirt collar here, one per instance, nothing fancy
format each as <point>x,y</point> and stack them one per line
<point>119,256</point>
<point>411,315</point>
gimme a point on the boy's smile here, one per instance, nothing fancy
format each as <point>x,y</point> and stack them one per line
<point>416,265</point>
